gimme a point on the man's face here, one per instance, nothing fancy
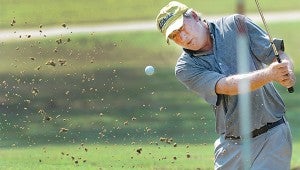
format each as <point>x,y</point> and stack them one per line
<point>192,35</point>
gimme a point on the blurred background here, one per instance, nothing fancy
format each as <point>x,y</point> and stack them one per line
<point>72,72</point>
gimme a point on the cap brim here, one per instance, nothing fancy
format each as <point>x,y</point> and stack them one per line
<point>174,26</point>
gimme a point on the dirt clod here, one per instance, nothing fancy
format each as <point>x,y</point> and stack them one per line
<point>139,150</point>
<point>63,130</point>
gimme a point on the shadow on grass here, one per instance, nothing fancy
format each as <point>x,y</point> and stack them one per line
<point>107,106</point>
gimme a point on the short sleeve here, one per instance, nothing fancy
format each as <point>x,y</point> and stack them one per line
<point>198,78</point>
<point>260,44</point>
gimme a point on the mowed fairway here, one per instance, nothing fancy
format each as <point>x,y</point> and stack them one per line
<point>84,102</point>
<point>31,13</point>
<point>85,156</point>
<point>82,156</point>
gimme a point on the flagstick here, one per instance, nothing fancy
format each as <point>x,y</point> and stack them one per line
<point>244,98</point>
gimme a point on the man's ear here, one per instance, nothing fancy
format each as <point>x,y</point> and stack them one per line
<point>196,16</point>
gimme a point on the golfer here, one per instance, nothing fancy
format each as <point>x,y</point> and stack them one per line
<point>208,66</point>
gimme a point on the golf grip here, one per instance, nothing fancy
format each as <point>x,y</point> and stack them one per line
<point>290,89</point>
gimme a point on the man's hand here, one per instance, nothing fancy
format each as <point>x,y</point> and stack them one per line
<point>289,79</point>
<point>282,73</point>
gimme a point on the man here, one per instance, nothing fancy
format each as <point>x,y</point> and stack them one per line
<point>208,66</point>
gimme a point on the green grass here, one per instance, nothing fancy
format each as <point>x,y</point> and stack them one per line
<point>49,12</point>
<point>157,155</point>
<point>84,89</point>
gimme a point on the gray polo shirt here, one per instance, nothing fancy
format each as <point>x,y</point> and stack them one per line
<point>201,71</point>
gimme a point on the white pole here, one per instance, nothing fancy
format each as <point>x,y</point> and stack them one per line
<point>244,98</point>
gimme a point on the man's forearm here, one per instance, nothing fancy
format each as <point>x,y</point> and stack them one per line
<point>279,72</point>
<point>230,85</point>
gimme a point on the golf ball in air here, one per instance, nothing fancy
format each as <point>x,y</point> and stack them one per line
<point>149,70</point>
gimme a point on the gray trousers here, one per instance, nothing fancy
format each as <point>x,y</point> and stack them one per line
<point>269,151</point>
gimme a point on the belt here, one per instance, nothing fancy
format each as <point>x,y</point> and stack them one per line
<point>259,131</point>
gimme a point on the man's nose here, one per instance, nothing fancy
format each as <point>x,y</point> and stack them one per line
<point>183,36</point>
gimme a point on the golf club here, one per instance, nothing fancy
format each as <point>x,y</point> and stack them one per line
<point>290,89</point>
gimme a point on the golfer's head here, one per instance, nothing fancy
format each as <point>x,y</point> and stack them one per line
<point>170,18</point>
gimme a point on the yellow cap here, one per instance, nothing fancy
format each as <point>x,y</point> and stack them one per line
<point>170,18</point>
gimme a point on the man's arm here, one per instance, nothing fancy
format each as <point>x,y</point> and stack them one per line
<point>279,72</point>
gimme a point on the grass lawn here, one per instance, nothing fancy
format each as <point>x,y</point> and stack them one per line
<point>81,156</point>
<point>158,155</point>
<point>33,13</point>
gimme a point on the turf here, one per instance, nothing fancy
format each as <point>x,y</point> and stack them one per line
<point>156,155</point>
<point>33,13</point>
<point>81,156</point>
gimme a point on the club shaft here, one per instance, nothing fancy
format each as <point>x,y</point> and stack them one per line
<point>290,89</point>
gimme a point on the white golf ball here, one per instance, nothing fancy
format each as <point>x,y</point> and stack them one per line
<point>149,70</point>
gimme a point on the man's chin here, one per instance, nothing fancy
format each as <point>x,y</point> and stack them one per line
<point>193,49</point>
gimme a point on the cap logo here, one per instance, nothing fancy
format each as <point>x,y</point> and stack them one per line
<point>163,21</point>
